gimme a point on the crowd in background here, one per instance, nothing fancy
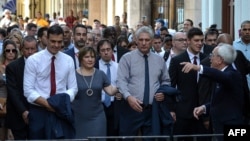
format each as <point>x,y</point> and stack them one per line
<point>119,80</point>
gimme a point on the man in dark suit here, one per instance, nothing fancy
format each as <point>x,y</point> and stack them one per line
<point>228,96</point>
<point>79,37</point>
<point>17,105</point>
<point>187,83</point>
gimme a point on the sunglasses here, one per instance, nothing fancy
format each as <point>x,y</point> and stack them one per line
<point>11,50</point>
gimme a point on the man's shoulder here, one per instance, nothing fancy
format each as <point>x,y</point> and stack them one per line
<point>69,51</point>
<point>16,62</point>
<point>64,55</point>
<point>181,56</point>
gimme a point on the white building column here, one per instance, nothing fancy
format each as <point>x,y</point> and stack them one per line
<point>211,13</point>
<point>192,10</point>
<point>110,13</point>
<point>241,13</point>
<point>133,15</point>
<point>119,8</point>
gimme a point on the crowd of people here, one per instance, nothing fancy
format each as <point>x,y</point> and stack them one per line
<point>70,80</point>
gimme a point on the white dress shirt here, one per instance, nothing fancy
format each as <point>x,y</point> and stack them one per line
<point>76,50</point>
<point>115,54</point>
<point>37,75</point>
<point>113,72</point>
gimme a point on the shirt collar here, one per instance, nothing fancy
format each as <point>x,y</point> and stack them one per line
<point>148,54</point>
<point>191,55</point>
<point>224,68</point>
<point>76,50</point>
<point>103,62</point>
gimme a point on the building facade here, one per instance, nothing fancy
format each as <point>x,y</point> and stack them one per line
<point>227,14</point>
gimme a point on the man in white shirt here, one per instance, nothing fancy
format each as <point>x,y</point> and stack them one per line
<point>48,73</point>
<point>179,45</point>
<point>105,51</point>
<point>157,46</point>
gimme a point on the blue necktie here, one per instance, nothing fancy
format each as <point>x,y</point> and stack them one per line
<point>107,100</point>
<point>146,87</point>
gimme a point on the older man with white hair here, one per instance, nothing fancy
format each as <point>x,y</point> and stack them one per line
<point>227,97</point>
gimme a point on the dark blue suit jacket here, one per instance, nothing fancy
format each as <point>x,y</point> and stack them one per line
<point>186,83</point>
<point>60,125</point>
<point>16,101</point>
<point>161,115</point>
<point>71,53</point>
<point>227,100</point>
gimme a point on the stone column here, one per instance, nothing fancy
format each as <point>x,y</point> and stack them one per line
<point>241,13</point>
<point>192,10</point>
<point>138,9</point>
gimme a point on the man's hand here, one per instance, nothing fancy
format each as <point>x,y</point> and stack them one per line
<point>189,66</point>
<point>159,96</point>
<point>134,103</point>
<point>173,116</point>
<point>25,117</point>
<point>118,96</point>
<point>199,111</point>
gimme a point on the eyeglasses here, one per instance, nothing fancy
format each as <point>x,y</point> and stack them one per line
<point>213,55</point>
<point>11,50</point>
<point>181,40</point>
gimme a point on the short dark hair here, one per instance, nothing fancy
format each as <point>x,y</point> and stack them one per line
<point>191,22</point>
<point>81,26</point>
<point>122,38</point>
<point>31,25</point>
<point>55,29</point>
<point>157,36</point>
<point>40,31</point>
<point>101,42</point>
<point>211,31</point>
<point>29,39</point>
<point>194,31</point>
<point>163,28</point>
<point>3,32</point>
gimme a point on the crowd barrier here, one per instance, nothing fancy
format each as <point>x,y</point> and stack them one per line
<point>157,138</point>
<point>140,138</point>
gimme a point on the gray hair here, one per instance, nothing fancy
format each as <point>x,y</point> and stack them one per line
<point>144,29</point>
<point>227,53</point>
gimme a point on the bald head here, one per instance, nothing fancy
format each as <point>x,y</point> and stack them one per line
<point>225,38</point>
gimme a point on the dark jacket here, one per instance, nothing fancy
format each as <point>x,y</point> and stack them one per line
<point>161,115</point>
<point>60,125</point>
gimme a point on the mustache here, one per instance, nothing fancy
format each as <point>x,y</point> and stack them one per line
<point>80,43</point>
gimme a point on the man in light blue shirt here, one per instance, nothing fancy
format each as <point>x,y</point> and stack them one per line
<point>243,43</point>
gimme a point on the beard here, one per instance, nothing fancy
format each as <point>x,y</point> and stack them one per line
<point>80,43</point>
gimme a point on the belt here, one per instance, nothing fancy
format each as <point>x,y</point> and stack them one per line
<point>149,106</point>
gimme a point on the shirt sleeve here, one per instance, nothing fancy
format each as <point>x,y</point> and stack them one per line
<point>71,82</point>
<point>30,80</point>
<point>123,76</point>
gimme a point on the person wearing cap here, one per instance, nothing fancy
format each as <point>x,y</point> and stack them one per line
<point>6,21</point>
<point>158,24</point>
